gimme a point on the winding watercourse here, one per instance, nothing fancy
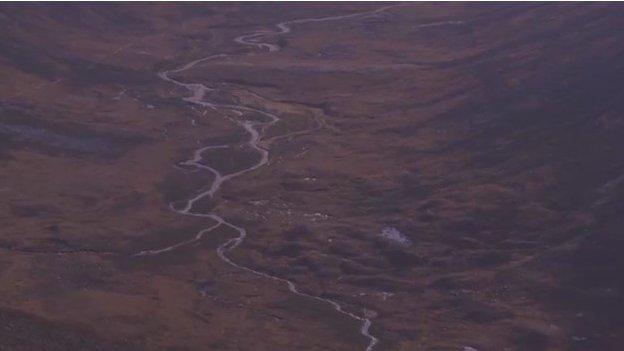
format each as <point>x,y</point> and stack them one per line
<point>255,130</point>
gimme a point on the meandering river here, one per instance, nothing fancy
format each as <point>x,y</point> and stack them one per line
<point>255,131</point>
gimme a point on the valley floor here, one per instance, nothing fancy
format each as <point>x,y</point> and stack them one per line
<point>424,176</point>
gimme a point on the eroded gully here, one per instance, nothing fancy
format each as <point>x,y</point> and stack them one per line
<point>255,130</point>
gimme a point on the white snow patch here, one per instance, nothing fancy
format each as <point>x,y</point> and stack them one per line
<point>394,235</point>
